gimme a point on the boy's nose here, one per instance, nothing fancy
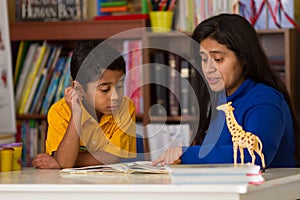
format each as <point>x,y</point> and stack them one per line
<point>114,95</point>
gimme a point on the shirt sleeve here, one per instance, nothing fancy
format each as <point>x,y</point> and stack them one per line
<point>58,118</point>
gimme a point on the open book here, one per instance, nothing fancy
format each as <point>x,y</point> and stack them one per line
<point>127,167</point>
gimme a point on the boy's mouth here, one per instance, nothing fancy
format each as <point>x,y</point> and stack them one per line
<point>113,107</point>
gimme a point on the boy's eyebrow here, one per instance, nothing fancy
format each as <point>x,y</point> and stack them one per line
<point>109,83</point>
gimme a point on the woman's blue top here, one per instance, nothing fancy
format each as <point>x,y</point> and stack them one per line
<point>259,109</point>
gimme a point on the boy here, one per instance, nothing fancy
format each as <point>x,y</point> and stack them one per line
<point>94,123</point>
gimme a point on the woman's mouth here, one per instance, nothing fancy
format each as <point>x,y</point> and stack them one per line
<point>212,80</point>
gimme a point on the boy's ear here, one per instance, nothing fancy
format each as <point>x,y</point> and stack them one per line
<point>76,85</point>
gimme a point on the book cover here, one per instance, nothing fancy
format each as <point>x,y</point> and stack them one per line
<point>134,73</point>
<point>53,85</point>
<point>25,70</point>
<point>136,167</point>
<point>174,85</point>
<point>41,79</point>
<point>31,76</point>
<point>65,80</point>
<point>216,174</point>
<point>31,10</point>
<point>36,80</point>
<point>160,80</point>
<point>185,87</point>
<point>114,9</point>
<point>214,169</point>
<point>218,179</point>
<point>22,50</point>
<point>46,79</point>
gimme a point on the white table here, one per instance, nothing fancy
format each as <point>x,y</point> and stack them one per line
<point>30,184</point>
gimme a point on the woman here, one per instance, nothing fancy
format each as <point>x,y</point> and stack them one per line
<point>233,62</point>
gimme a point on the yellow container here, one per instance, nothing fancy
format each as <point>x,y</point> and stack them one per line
<point>161,21</point>
<point>17,155</point>
<point>6,157</point>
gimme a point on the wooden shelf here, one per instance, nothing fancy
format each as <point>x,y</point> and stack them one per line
<point>31,116</point>
<point>73,30</point>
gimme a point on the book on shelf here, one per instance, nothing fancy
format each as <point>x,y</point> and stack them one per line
<point>174,84</point>
<point>136,167</point>
<point>185,87</point>
<point>35,68</point>
<point>46,78</point>
<point>25,70</point>
<point>132,51</point>
<point>32,134</point>
<point>36,80</point>
<point>122,17</point>
<point>21,55</point>
<point>216,174</point>
<point>65,79</point>
<point>49,97</point>
<point>32,10</point>
<point>40,80</point>
<point>159,78</point>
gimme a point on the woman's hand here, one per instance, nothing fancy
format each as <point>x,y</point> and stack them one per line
<point>171,156</point>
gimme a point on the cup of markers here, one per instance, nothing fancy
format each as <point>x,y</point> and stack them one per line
<point>161,15</point>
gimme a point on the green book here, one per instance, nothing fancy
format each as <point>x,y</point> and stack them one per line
<point>113,3</point>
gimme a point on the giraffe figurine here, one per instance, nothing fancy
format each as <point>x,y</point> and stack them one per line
<point>242,139</point>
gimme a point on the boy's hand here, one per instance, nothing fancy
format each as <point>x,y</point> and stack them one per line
<point>45,161</point>
<point>73,99</point>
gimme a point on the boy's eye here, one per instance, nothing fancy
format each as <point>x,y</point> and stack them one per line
<point>104,89</point>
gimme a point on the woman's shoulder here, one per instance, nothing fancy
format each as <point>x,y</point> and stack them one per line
<point>265,93</point>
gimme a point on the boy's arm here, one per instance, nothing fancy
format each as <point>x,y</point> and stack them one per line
<point>67,152</point>
<point>96,158</point>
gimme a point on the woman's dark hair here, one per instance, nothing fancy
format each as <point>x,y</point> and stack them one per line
<point>237,34</point>
<point>91,57</point>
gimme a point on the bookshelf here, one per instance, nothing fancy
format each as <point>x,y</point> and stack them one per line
<point>281,43</point>
<point>282,47</point>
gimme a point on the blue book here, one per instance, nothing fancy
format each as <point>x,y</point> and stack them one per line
<point>53,85</point>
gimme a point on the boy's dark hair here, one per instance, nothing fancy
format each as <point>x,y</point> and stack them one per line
<point>91,57</point>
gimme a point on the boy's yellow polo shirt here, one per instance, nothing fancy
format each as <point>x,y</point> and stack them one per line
<point>115,133</point>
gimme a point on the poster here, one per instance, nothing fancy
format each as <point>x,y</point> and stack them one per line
<point>7,109</point>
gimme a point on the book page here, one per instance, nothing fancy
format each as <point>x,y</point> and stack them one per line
<point>127,167</point>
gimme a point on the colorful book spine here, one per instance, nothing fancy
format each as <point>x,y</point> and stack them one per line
<point>47,79</point>
<point>36,80</point>
<point>53,85</point>
<point>25,70</point>
<point>31,77</point>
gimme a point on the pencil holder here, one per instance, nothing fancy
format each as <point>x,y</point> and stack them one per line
<point>161,21</point>
<point>6,156</point>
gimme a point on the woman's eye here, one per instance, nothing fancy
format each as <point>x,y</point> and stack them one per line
<point>218,60</point>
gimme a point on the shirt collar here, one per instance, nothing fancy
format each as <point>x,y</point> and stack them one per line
<point>242,90</point>
<point>87,117</point>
